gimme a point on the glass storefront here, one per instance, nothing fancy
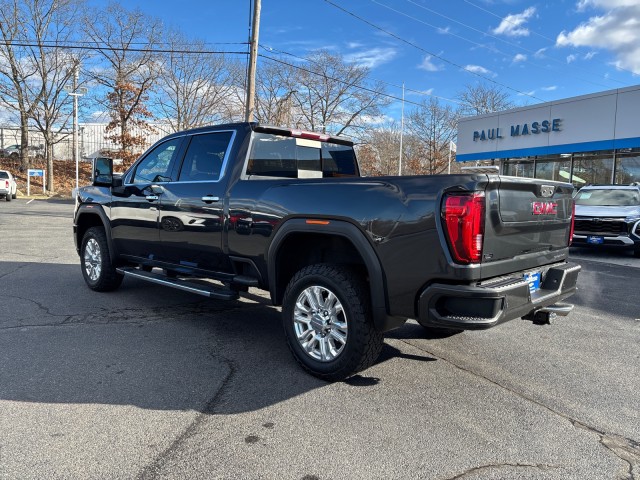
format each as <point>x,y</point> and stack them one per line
<point>579,168</point>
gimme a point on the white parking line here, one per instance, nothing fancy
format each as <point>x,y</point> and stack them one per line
<point>30,201</point>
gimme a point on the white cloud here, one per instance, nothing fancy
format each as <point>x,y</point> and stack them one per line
<point>571,58</point>
<point>527,94</point>
<point>590,55</point>
<point>618,31</point>
<point>513,25</point>
<point>355,45</point>
<point>428,65</point>
<point>479,69</point>
<point>550,88</point>
<point>540,53</point>
<point>371,58</point>
<point>519,58</point>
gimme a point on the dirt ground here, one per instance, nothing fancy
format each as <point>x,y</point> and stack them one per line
<point>64,176</point>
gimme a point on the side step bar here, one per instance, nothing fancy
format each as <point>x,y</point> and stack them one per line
<point>217,293</point>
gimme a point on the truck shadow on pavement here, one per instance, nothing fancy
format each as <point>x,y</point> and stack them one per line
<point>146,346</point>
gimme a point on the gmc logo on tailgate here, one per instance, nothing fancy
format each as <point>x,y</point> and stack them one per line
<point>544,208</point>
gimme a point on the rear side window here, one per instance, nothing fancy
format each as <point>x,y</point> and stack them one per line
<point>287,157</point>
<point>205,157</point>
<point>4,175</point>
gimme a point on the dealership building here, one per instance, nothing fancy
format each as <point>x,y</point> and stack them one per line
<point>591,139</point>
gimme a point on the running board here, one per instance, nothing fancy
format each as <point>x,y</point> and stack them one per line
<point>217,293</point>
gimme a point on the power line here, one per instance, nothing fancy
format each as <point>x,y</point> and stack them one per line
<point>418,92</point>
<point>333,79</point>
<point>473,42</point>
<point>440,57</point>
<point>118,49</point>
<point>552,40</point>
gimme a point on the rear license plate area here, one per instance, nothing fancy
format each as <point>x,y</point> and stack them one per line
<point>533,278</point>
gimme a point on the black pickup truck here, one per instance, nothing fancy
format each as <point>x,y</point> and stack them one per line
<point>219,209</point>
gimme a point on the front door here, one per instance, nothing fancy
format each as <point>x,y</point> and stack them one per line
<point>135,207</point>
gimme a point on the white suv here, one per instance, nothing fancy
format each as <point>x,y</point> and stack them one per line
<point>8,186</point>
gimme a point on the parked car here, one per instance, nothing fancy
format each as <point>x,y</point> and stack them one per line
<point>13,151</point>
<point>608,215</point>
<point>8,186</point>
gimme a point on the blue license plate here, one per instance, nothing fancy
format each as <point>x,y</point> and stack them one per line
<point>534,280</point>
<point>595,240</point>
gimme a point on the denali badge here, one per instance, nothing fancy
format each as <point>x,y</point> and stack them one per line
<point>544,208</point>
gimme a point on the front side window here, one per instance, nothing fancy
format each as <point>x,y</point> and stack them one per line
<point>205,157</point>
<point>157,165</point>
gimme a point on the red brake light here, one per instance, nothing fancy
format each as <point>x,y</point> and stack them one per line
<point>573,221</point>
<point>310,135</point>
<point>463,216</point>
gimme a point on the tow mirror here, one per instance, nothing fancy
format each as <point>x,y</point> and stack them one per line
<point>102,174</point>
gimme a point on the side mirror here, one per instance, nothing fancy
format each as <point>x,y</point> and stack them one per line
<point>102,174</point>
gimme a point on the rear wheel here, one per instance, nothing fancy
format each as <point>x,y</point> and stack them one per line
<point>327,322</point>
<point>97,269</point>
<point>7,197</point>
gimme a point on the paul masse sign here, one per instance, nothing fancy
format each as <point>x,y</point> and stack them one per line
<point>534,128</point>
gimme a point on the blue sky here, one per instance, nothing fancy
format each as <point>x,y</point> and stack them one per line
<point>535,51</point>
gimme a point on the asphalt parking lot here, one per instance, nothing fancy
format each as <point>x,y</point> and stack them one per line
<point>149,382</point>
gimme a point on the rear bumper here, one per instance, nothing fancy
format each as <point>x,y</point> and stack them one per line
<point>473,307</point>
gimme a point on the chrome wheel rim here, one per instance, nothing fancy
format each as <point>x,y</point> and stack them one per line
<point>320,323</point>
<point>92,260</point>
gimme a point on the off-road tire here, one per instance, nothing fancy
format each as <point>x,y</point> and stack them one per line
<point>363,343</point>
<point>98,271</point>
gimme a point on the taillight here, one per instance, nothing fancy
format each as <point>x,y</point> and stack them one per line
<point>573,221</point>
<point>6,184</point>
<point>463,216</point>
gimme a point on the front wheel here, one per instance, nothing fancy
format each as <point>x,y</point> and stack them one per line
<point>97,269</point>
<point>327,320</point>
<point>7,197</point>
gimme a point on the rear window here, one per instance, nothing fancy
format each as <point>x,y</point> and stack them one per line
<point>4,175</point>
<point>278,156</point>
<point>608,197</point>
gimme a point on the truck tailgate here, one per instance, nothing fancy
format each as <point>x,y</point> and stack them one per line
<point>527,220</point>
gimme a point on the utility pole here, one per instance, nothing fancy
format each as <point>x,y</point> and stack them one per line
<point>75,92</point>
<point>401,133</point>
<point>253,57</point>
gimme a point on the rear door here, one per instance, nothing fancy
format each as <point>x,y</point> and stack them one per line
<point>192,213</point>
<point>528,222</point>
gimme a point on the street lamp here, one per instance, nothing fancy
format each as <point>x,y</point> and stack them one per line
<point>75,92</point>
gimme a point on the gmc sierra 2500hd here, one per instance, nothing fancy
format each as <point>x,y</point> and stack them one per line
<point>347,257</point>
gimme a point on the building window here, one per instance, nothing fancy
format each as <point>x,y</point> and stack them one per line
<point>554,168</point>
<point>589,168</point>
<point>519,168</point>
<point>628,167</point>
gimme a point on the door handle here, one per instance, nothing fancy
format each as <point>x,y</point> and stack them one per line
<point>152,198</point>
<point>210,199</point>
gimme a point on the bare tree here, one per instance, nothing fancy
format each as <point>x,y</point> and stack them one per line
<point>334,96</point>
<point>434,126</point>
<point>275,87</point>
<point>55,66</point>
<point>20,88</point>
<point>193,89</point>
<point>483,98</point>
<point>126,41</point>
<point>379,154</point>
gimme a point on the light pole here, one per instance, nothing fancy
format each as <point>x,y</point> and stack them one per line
<point>75,92</point>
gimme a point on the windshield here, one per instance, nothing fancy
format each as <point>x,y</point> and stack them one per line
<point>608,198</point>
